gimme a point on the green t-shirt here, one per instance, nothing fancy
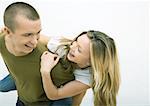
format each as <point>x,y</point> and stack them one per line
<point>26,73</point>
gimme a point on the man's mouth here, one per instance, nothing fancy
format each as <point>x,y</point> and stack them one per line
<point>29,46</point>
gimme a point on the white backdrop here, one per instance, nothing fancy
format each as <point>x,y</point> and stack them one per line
<point>127,22</point>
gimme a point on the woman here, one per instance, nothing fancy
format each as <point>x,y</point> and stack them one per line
<point>93,54</point>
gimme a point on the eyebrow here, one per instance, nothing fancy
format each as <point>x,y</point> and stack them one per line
<point>39,31</point>
<point>31,32</point>
<point>78,43</point>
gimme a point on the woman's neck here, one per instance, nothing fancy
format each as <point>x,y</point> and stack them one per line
<point>83,66</point>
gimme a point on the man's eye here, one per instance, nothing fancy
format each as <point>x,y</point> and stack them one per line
<point>28,34</point>
<point>39,32</point>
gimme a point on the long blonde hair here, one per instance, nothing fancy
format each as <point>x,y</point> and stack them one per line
<point>105,68</point>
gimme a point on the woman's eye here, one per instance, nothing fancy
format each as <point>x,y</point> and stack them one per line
<point>79,50</point>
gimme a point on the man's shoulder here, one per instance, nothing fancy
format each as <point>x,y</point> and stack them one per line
<point>1,39</point>
<point>42,45</point>
<point>1,35</point>
<point>44,39</point>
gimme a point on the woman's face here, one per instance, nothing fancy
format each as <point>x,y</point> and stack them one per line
<point>80,51</point>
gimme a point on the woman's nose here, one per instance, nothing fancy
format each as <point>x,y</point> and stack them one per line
<point>73,45</point>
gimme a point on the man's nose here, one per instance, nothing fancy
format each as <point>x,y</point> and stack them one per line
<point>34,40</point>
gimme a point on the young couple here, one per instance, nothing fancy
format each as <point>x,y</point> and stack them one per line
<point>61,74</point>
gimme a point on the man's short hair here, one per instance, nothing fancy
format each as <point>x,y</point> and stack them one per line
<point>18,8</point>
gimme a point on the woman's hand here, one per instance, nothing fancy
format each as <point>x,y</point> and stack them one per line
<point>48,61</point>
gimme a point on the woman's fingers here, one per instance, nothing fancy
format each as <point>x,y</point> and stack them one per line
<point>56,60</point>
<point>49,54</point>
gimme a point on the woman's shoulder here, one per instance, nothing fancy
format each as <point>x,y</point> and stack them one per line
<point>84,75</point>
<point>55,45</point>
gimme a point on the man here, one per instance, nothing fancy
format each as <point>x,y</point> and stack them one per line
<point>21,48</point>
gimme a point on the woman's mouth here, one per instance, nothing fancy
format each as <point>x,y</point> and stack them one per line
<point>71,54</point>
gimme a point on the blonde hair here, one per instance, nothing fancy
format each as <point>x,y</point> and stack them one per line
<point>105,68</point>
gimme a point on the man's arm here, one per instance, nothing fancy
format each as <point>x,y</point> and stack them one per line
<point>44,39</point>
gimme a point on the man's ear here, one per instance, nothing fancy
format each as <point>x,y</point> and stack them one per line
<point>6,31</point>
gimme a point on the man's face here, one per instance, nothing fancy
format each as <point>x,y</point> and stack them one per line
<point>25,37</point>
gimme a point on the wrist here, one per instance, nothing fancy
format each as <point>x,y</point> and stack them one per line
<point>45,71</point>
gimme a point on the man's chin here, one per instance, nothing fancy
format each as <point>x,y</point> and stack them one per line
<point>28,51</point>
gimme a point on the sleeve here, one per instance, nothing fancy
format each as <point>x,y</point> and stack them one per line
<point>1,40</point>
<point>84,76</point>
<point>54,46</point>
<point>53,43</point>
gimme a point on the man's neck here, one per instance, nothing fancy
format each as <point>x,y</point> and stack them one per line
<point>9,46</point>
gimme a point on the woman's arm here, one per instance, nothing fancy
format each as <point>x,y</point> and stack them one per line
<point>77,99</point>
<point>70,89</point>
<point>48,61</point>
